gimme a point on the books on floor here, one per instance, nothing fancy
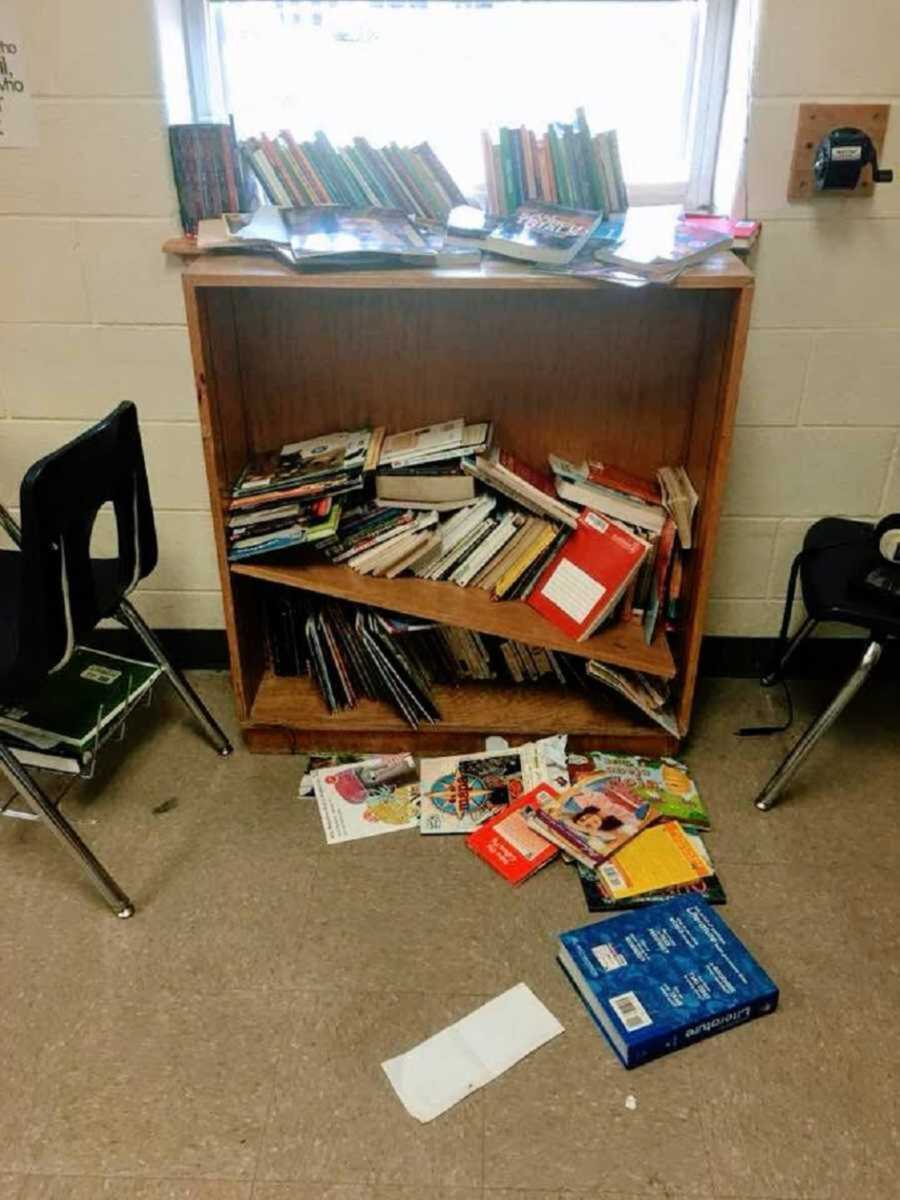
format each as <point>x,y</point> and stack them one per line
<point>460,792</point>
<point>661,856</point>
<point>75,707</point>
<point>363,799</point>
<point>665,781</point>
<point>593,818</point>
<point>664,977</point>
<point>587,577</point>
<point>709,887</point>
<point>508,844</point>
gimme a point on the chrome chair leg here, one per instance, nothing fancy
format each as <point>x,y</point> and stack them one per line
<point>799,637</point>
<point>770,793</point>
<point>44,808</point>
<point>129,616</point>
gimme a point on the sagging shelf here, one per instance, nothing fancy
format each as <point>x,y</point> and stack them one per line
<point>287,713</point>
<point>621,645</point>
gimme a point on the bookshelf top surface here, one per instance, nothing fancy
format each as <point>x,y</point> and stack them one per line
<point>247,270</point>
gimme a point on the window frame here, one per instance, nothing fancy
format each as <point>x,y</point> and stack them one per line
<point>706,105</point>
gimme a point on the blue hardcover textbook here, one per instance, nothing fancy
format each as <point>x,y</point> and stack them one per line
<point>656,979</point>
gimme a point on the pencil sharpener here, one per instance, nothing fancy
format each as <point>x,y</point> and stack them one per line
<point>840,158</point>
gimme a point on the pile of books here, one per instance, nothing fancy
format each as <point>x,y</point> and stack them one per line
<point>208,174</point>
<point>567,166</point>
<point>332,236</point>
<point>411,179</point>
<point>79,708</point>
<point>355,653</point>
<point>290,497</point>
<point>654,979</point>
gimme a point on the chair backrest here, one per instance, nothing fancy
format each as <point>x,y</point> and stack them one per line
<point>60,498</point>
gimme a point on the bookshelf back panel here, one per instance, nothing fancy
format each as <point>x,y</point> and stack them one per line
<point>605,373</point>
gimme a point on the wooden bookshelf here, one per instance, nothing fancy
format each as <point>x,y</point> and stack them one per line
<point>636,377</point>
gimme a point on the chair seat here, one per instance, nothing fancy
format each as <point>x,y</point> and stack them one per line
<point>832,578</point>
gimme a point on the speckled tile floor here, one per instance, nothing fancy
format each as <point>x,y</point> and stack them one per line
<point>225,1043</point>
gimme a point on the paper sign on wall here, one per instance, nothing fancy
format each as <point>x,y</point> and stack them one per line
<point>17,123</point>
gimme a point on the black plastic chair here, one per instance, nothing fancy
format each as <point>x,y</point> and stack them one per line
<point>836,556</point>
<point>53,594</point>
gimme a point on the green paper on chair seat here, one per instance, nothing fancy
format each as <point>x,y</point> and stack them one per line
<point>81,699</point>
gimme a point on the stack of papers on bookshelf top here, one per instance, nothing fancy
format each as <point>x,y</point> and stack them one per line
<point>656,244</point>
<point>327,235</point>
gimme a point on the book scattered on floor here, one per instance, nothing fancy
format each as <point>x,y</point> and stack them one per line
<point>462,1058</point>
<point>661,856</point>
<point>509,845</point>
<point>77,704</point>
<point>363,799</point>
<point>663,977</point>
<point>567,166</point>
<point>709,887</point>
<point>460,792</point>
<point>664,781</point>
<point>320,759</point>
<point>593,818</point>
<point>584,582</point>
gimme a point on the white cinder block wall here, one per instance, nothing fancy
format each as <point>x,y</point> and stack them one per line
<point>91,312</point>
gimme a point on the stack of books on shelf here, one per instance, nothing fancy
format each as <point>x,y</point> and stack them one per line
<point>293,496</point>
<point>566,166</point>
<point>355,653</point>
<point>482,520</point>
<point>411,179</point>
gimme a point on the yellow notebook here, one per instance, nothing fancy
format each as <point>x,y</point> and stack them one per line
<point>660,856</point>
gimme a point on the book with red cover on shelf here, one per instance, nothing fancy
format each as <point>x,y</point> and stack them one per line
<point>586,579</point>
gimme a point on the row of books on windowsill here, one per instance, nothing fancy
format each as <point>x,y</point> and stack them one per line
<point>585,545</point>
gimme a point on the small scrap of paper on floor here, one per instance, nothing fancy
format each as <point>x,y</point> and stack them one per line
<point>452,1064</point>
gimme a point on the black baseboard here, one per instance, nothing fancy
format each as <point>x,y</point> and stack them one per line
<point>736,657</point>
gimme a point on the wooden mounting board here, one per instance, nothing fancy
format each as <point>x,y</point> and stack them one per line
<point>813,122</point>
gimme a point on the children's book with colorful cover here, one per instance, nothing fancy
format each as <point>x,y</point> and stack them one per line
<point>659,857</point>
<point>664,977</point>
<point>460,792</point>
<point>664,781</point>
<point>709,888</point>
<point>592,819</point>
<point>362,799</point>
<point>508,843</point>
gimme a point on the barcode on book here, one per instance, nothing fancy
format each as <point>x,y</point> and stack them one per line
<point>630,1011</point>
<point>612,875</point>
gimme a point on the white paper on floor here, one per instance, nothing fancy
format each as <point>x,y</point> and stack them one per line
<point>452,1064</point>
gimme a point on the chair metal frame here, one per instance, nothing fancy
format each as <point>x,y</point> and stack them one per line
<point>45,809</point>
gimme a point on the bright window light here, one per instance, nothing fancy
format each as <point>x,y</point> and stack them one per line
<point>439,70</point>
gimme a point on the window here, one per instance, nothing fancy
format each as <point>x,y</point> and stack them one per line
<point>442,70</point>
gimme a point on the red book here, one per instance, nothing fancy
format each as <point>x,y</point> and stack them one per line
<point>624,482</point>
<point>508,844</point>
<point>587,578</point>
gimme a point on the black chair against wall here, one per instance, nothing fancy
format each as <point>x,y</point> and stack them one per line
<point>836,555</point>
<point>53,594</point>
